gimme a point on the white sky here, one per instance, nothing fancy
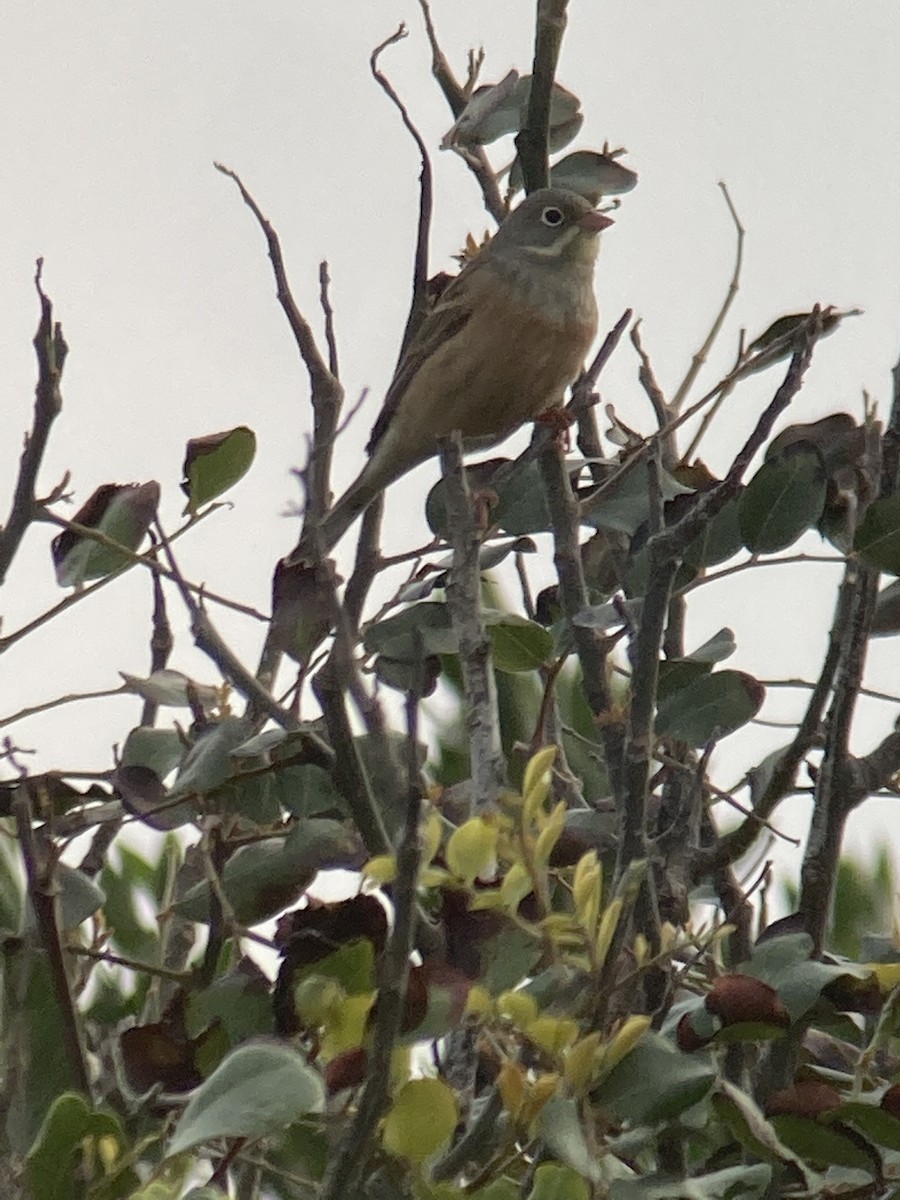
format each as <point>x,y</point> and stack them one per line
<point>110,117</point>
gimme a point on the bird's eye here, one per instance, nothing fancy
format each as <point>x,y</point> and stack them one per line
<point>552,216</point>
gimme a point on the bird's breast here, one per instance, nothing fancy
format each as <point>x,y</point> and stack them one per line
<point>509,364</point>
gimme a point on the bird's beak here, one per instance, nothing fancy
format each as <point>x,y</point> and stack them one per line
<point>593,222</point>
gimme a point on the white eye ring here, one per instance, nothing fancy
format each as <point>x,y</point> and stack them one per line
<point>552,216</point>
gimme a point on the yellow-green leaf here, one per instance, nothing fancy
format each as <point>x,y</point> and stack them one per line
<point>421,1119</point>
<point>214,463</point>
<point>472,849</point>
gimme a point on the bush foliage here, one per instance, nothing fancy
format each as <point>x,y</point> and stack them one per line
<point>553,979</point>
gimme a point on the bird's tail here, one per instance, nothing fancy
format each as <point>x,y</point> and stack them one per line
<point>357,498</point>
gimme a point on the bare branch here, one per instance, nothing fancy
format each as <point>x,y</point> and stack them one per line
<point>51,350</point>
<point>347,1164</point>
<point>418,306</point>
<point>457,96</point>
<point>532,139</point>
<point>488,766</point>
<point>701,356</point>
<point>326,392</point>
<point>39,870</point>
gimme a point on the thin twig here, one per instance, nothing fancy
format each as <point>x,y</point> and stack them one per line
<point>418,306</point>
<point>457,97</point>
<point>700,357</point>
<point>488,765</point>
<point>43,891</point>
<point>207,639</point>
<point>51,350</point>
<point>532,139</point>
<point>347,1165</point>
<point>145,559</point>
<point>757,561</point>
<point>131,964</point>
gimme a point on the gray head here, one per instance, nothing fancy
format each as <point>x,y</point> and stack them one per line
<point>551,224</point>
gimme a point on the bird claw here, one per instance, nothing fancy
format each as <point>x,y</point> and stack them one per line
<point>558,421</point>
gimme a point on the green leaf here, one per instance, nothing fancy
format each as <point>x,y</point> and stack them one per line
<point>240,1000</point>
<point>159,749</point>
<point>816,1142</point>
<point>306,790</point>
<point>783,499</point>
<point>59,1159</point>
<point>521,499</point>
<point>12,891</point>
<point>130,936</point>
<point>713,706</point>
<point>261,879</point>
<point>31,1035</point>
<point>878,537</point>
<point>518,644</point>
<point>785,964</point>
<point>122,512</point>
<point>720,646</point>
<point>746,1182</point>
<point>874,1122</point>
<point>592,175</point>
<point>720,539</point>
<point>214,463</point>
<point>499,109</point>
<point>656,1082</point>
<point>555,1182</point>
<point>79,898</point>
<point>255,1091</point>
<point>208,763</point>
<point>560,1127</point>
<point>627,506</point>
<point>422,629</point>
<point>420,1120</point>
<point>417,679</point>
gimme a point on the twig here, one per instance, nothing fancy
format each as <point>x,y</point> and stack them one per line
<point>145,559</point>
<point>677,537</point>
<point>59,701</point>
<point>39,871</point>
<point>591,649</point>
<point>834,793</point>
<point>700,357</point>
<point>345,1167</point>
<point>488,766</point>
<point>51,350</point>
<point>328,313</point>
<point>457,97</point>
<point>142,968</point>
<point>326,392</point>
<point>161,644</point>
<point>582,405</point>
<point>734,845</point>
<point>367,560</point>
<point>148,559</point>
<point>207,639</point>
<point>418,306</point>
<point>647,379</point>
<point>532,139</point>
<point>756,561</point>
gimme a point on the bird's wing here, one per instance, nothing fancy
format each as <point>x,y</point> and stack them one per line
<point>446,320</point>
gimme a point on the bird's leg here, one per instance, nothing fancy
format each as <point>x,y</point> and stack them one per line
<point>559,421</point>
<point>483,500</point>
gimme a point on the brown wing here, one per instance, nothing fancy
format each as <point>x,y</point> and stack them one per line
<point>446,320</point>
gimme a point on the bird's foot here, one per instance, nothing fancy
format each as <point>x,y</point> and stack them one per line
<point>483,500</point>
<point>558,421</point>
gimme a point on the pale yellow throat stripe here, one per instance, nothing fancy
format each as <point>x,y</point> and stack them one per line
<point>558,246</point>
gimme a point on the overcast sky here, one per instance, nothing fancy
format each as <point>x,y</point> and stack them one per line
<point>111,116</point>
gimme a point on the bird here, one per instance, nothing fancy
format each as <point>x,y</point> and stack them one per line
<point>499,348</point>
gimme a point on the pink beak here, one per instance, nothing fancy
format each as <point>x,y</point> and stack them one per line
<point>593,222</point>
